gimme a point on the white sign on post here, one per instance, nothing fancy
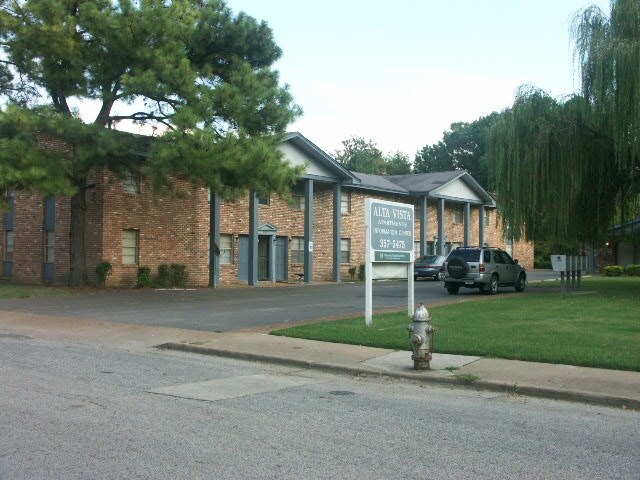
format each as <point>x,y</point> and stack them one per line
<point>559,263</point>
<point>389,247</point>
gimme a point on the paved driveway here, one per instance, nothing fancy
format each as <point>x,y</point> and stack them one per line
<point>229,309</point>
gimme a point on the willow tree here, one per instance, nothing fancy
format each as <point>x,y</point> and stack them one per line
<point>564,168</point>
<point>188,68</point>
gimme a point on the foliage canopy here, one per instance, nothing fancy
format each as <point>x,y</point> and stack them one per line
<point>191,69</point>
<point>463,147</point>
<point>360,155</point>
<point>568,168</point>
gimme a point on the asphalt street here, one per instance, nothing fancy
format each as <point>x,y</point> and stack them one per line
<point>71,410</point>
<point>227,309</point>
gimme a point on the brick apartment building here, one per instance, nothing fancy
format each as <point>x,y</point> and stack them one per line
<point>318,235</point>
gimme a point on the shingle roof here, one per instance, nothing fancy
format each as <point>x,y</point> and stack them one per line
<point>318,154</point>
<point>379,182</point>
<point>424,182</point>
<point>419,184</point>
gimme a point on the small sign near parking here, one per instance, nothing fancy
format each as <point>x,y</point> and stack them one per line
<point>389,230</point>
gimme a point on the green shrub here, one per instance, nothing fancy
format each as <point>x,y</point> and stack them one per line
<point>163,279</point>
<point>179,276</point>
<point>361,272</point>
<point>352,272</point>
<point>103,270</point>
<point>544,249</point>
<point>632,270</point>
<point>613,270</point>
<point>144,277</point>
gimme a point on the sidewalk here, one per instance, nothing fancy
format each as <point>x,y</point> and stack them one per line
<point>590,385</point>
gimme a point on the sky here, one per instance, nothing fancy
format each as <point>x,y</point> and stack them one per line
<point>399,73</point>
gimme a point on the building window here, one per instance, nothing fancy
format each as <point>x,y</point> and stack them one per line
<point>49,246</point>
<point>8,246</point>
<point>298,201</point>
<point>130,247</point>
<point>226,249</point>
<point>345,250</point>
<point>458,214</point>
<point>297,250</point>
<point>416,249</point>
<point>345,203</point>
<point>263,198</point>
<point>130,183</point>
<point>487,218</point>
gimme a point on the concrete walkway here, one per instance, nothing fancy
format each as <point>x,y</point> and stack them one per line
<point>591,385</point>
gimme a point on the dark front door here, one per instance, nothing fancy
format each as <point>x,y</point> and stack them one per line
<point>263,258</point>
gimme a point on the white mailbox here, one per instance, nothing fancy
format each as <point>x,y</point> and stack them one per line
<point>569,263</point>
<point>559,263</point>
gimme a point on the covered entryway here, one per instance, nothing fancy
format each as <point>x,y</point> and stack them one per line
<point>271,262</point>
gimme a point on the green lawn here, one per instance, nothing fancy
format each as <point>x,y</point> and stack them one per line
<point>597,327</point>
<point>16,290</point>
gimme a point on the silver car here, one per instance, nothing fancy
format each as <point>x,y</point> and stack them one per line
<point>429,266</point>
<point>486,268</point>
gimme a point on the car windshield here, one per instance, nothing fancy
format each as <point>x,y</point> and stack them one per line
<point>466,255</point>
<point>428,259</point>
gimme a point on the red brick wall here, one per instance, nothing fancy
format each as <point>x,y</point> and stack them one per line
<point>174,229</point>
<point>353,227</point>
<point>171,229</point>
<point>289,222</point>
<point>28,256</point>
<point>28,253</point>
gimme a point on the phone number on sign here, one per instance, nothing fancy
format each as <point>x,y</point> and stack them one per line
<point>393,244</point>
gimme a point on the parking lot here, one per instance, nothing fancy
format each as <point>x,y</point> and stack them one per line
<point>227,309</point>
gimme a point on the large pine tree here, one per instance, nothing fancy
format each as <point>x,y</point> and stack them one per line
<point>191,68</point>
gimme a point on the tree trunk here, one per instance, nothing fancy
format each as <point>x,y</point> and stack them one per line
<point>77,253</point>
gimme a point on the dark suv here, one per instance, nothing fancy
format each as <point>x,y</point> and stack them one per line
<point>485,268</point>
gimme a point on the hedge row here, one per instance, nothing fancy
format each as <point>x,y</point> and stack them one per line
<point>169,276</point>
<point>619,270</point>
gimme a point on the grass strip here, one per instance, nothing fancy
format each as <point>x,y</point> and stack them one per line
<point>596,327</point>
<point>16,290</point>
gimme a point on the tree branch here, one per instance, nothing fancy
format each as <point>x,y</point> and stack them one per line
<point>140,116</point>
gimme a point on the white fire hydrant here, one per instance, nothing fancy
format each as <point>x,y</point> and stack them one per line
<point>421,338</point>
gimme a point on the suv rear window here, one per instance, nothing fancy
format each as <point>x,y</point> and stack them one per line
<point>467,255</point>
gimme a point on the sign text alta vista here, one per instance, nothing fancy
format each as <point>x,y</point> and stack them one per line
<point>385,212</point>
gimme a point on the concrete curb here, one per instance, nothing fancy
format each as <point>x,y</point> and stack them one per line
<point>419,377</point>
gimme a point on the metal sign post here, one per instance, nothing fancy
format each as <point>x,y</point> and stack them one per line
<point>570,268</point>
<point>389,230</point>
